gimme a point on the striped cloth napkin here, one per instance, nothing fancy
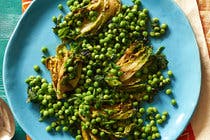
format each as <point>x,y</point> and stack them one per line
<point>188,134</point>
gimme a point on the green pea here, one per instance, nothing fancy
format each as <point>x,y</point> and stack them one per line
<point>159,121</point>
<point>111,26</point>
<point>135,104</point>
<point>168,91</point>
<point>60,6</point>
<point>165,113</point>
<point>99,90</point>
<point>146,97</point>
<point>113,71</point>
<point>95,84</point>
<point>157,135</point>
<point>98,119</point>
<point>173,102</point>
<point>137,2</point>
<point>78,137</point>
<point>94,131</point>
<point>74,118</point>
<point>54,19</point>
<point>51,111</point>
<point>40,97</point>
<point>157,116</point>
<point>106,97</point>
<point>147,129</point>
<point>88,98</point>
<point>164,26</point>
<point>89,73</point>
<point>69,3</point>
<point>122,35</point>
<point>88,80</point>
<point>145,33</point>
<point>119,73</point>
<point>78,90</point>
<point>149,110</point>
<point>120,129</point>
<point>59,17</point>
<point>142,23</point>
<point>59,103</point>
<point>123,23</point>
<point>53,124</point>
<point>124,7</point>
<point>154,129</point>
<point>140,121</point>
<point>142,15</point>
<point>170,73</point>
<point>156,29</point>
<point>136,133</point>
<point>152,34</point>
<point>146,11</point>
<point>149,88</point>
<point>48,128</point>
<point>157,34</point>
<point>67,111</point>
<point>131,15</point>
<point>168,80</point>
<point>102,134</point>
<point>92,13</point>
<point>155,20</point>
<point>162,31</point>
<point>98,70</point>
<point>163,117</point>
<point>106,91</point>
<point>65,128</point>
<point>127,18</point>
<point>36,68</point>
<point>154,109</point>
<point>44,101</point>
<point>44,86</point>
<point>124,40</point>
<point>115,19</point>
<point>60,112</point>
<point>141,110</point>
<point>143,135</point>
<point>79,23</point>
<point>153,137</point>
<point>45,113</point>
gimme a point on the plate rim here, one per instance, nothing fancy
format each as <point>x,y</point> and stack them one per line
<point>25,16</point>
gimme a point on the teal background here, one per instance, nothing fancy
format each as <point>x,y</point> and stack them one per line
<point>10,12</point>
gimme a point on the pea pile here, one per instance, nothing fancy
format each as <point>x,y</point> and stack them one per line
<point>100,83</point>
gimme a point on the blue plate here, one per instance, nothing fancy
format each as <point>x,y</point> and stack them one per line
<point>34,31</point>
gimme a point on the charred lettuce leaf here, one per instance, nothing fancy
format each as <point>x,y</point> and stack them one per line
<point>59,75</point>
<point>133,60</point>
<point>105,10</point>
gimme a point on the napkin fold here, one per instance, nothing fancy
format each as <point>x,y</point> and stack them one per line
<point>201,119</point>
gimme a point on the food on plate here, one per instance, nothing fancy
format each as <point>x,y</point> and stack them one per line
<point>104,72</point>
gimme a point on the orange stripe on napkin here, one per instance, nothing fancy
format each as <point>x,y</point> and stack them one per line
<point>25,4</point>
<point>187,134</point>
<point>28,138</point>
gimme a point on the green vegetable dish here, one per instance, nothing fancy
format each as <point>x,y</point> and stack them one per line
<point>100,83</point>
